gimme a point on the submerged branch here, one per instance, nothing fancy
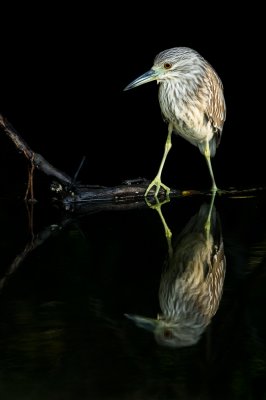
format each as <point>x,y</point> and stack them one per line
<point>67,190</point>
<point>74,196</point>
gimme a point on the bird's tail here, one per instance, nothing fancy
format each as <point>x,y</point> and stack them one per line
<point>213,146</point>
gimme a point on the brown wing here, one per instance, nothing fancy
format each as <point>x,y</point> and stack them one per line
<point>216,109</point>
<point>216,278</point>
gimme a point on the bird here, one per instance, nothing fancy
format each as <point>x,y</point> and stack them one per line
<point>191,283</point>
<point>191,98</point>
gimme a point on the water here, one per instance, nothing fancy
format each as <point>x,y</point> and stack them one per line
<point>65,290</point>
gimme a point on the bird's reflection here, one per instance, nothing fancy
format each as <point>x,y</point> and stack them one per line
<point>192,280</point>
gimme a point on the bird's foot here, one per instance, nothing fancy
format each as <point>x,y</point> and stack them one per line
<point>158,204</point>
<point>158,184</point>
<point>218,192</point>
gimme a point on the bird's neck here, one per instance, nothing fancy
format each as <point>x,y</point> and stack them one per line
<point>182,83</point>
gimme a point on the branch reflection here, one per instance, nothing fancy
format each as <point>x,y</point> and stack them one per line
<point>192,280</point>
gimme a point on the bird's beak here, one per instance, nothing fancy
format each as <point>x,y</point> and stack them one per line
<point>149,76</point>
<point>142,322</point>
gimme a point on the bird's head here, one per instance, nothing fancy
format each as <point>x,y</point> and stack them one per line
<point>171,64</point>
<point>170,333</point>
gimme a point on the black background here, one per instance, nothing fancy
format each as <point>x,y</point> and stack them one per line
<point>63,70</point>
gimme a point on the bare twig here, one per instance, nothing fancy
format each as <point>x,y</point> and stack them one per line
<point>35,159</point>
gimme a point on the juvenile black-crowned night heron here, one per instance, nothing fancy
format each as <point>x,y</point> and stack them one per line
<point>191,283</point>
<point>191,100</point>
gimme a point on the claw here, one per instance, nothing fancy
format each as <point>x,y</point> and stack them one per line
<point>158,184</point>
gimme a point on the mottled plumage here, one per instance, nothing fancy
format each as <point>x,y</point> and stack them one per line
<point>191,100</point>
<point>191,283</point>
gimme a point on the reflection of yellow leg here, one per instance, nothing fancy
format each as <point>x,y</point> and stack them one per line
<point>208,159</point>
<point>168,233</point>
<point>208,220</point>
<point>157,180</point>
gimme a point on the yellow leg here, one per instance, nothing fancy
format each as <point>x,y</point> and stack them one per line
<point>157,180</point>
<point>208,159</point>
<point>168,233</point>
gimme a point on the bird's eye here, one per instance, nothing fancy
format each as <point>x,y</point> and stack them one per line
<point>167,65</point>
<point>167,334</point>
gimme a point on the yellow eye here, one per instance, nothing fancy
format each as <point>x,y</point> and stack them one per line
<point>167,65</point>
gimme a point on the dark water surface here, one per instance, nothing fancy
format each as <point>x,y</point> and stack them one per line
<point>64,293</point>
<point>66,284</point>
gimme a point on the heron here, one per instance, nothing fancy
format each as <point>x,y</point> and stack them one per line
<point>191,283</point>
<point>191,99</point>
